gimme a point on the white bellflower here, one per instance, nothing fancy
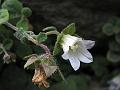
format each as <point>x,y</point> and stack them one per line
<point>75,50</point>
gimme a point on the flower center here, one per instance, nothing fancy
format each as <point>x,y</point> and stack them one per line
<point>74,47</point>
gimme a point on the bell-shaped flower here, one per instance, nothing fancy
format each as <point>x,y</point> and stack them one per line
<point>75,50</point>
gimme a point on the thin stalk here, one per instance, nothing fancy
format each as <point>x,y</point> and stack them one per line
<point>52,32</point>
<point>61,74</point>
<point>30,38</point>
<point>1,46</point>
<point>11,26</point>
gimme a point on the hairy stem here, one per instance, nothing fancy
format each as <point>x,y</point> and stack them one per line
<point>11,26</point>
<point>30,38</point>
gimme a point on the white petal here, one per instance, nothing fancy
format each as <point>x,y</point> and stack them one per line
<point>82,49</point>
<point>68,41</point>
<point>65,47</point>
<point>88,43</point>
<point>75,63</point>
<point>84,59</point>
<point>83,54</point>
<point>65,56</point>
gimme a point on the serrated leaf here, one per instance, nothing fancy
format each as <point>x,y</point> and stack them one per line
<point>117,38</point>
<point>13,6</point>
<point>4,16</point>
<point>113,56</point>
<point>57,47</point>
<point>41,37</point>
<point>114,46</point>
<point>108,29</point>
<point>70,29</point>
<point>49,70</point>
<point>23,24</point>
<point>7,43</point>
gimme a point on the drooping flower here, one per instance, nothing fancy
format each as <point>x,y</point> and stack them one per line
<point>75,50</point>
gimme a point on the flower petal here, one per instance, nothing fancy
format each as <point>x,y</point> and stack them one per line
<point>75,63</point>
<point>68,41</point>
<point>88,43</point>
<point>65,47</point>
<point>65,56</point>
<point>84,59</point>
<point>83,54</point>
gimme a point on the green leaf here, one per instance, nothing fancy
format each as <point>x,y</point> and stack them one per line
<point>108,29</point>
<point>26,11</point>
<point>41,37</point>
<point>114,46</point>
<point>7,43</point>
<point>113,56</point>
<point>57,47</point>
<point>23,24</point>
<point>4,16</point>
<point>117,38</point>
<point>13,6</point>
<point>70,29</point>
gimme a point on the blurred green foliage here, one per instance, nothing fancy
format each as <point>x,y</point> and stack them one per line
<point>80,80</point>
<point>112,28</point>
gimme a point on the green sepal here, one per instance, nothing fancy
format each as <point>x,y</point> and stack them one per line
<point>70,29</point>
<point>57,48</point>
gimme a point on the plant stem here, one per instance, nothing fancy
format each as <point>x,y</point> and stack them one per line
<point>1,46</point>
<point>11,26</point>
<point>61,74</point>
<point>30,38</point>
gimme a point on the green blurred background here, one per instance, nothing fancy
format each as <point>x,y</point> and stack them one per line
<point>96,20</point>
